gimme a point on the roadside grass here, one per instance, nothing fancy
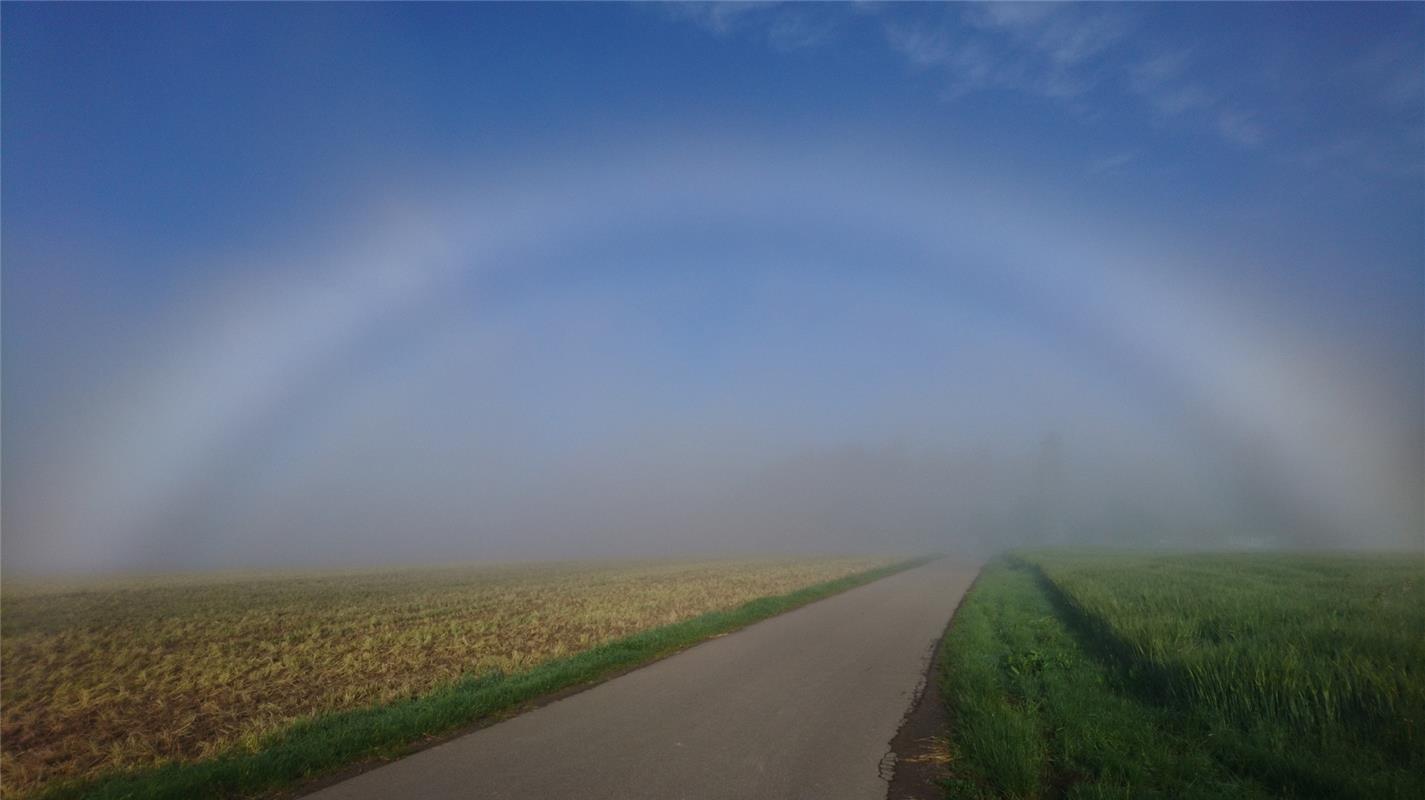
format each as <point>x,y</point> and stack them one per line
<point>312,748</point>
<point>1087,674</point>
<point>1307,670</point>
<point>1034,714</point>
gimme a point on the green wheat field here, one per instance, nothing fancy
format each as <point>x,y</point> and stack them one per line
<point>1094,674</point>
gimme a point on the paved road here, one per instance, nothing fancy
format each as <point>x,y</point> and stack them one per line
<point>802,705</point>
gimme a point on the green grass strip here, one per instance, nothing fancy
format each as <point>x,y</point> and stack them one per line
<point>325,744</point>
<point>1299,671</point>
<point>1033,714</point>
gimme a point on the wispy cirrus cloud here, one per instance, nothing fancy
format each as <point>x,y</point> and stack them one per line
<point>1061,51</point>
<point>1161,80</point>
<point>1365,153</point>
<point>1166,82</point>
<point>1064,37</point>
<point>784,27</point>
<point>1240,127</point>
<point>921,46</point>
<point>1093,60</point>
<point>717,18</point>
<point>1058,52</point>
<point>797,30</point>
<point>1113,163</point>
<point>1393,68</point>
<point>1030,48</point>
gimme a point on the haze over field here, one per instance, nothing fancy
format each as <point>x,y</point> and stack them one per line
<point>312,285</point>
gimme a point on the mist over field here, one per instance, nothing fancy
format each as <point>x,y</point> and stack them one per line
<point>529,296</point>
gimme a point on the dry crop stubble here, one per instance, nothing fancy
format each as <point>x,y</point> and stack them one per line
<point>131,673</point>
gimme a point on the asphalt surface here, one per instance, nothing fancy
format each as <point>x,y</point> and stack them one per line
<point>802,705</point>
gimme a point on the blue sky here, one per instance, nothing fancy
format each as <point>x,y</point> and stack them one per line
<point>639,252</point>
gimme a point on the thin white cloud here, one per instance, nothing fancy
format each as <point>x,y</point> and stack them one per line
<point>796,30</point>
<point>1177,100</point>
<point>785,27</point>
<point>1240,128</point>
<point>1055,52</point>
<point>1039,49</point>
<point>1112,163</point>
<point>1067,36</point>
<point>1160,68</point>
<point>1165,82</point>
<point>918,45</point>
<point>1361,154</point>
<point>1393,75</point>
<point>1161,80</point>
<point>1063,53</point>
<point>1033,49</point>
<point>1020,16</point>
<point>716,18</point>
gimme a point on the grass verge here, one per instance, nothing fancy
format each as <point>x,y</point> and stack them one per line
<point>1034,714</point>
<point>312,748</point>
<point>1083,675</point>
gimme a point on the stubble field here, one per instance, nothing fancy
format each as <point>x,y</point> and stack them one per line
<point>104,677</point>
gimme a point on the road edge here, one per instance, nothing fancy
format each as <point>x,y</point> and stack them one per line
<point>918,752</point>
